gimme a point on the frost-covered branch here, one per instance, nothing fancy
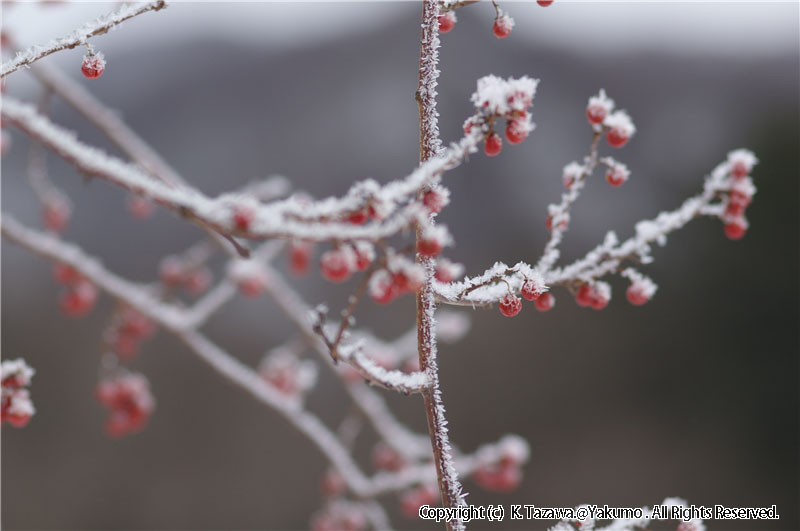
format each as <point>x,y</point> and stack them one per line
<point>80,36</point>
<point>394,205</point>
<point>726,191</point>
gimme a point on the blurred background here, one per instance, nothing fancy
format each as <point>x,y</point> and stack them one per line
<point>693,395</point>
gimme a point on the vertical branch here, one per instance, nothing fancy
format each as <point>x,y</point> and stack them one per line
<point>430,146</point>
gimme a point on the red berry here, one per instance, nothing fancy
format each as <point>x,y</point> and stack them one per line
<point>434,201</point>
<point>93,65</point>
<point>544,3</point>
<point>357,218</point>
<point>171,272</point>
<point>596,114</point>
<point>617,137</point>
<point>335,265</point>
<point>493,146</point>
<point>385,457</point>
<point>502,27</point>
<point>363,259</point>
<point>429,248</point>
<point>740,169</point>
<point>65,274</point>
<point>332,483</point>
<point>18,420</point>
<point>516,131</point>
<point>616,176</point>
<point>510,305</point>
<point>530,291</point>
<point>545,302</point>
<point>198,281</point>
<point>636,295</point>
<point>735,210</point>
<point>549,223</point>
<point>139,207</point>
<point>735,228</point>
<point>447,21</point>
<point>499,478</point>
<point>251,286</point>
<point>740,197</point>
<point>242,217</point>
<point>78,299</point>
<point>55,214</point>
<point>300,257</point>
<point>589,296</point>
<point>584,296</point>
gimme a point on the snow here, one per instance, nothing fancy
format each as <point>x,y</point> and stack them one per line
<point>17,368</point>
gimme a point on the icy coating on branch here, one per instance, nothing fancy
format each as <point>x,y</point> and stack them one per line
<point>80,36</point>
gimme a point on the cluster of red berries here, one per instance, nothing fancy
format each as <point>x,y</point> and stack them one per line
<point>593,295</point>
<point>16,406</point>
<point>56,211</point>
<point>129,403</point>
<point>618,126</point>
<point>128,330</point>
<point>505,473</point>
<point>361,216</point>
<point>288,374</point>
<point>740,196</point>
<point>338,264</point>
<point>501,27</point>
<point>412,500</point>
<point>176,273</point>
<point>79,295</point>
<point>93,65</point>
<point>511,305</point>
<point>499,98</point>
<point>401,276</point>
